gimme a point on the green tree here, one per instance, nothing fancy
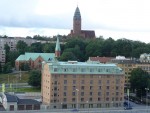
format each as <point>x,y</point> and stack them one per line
<point>36,47</point>
<point>35,78</point>
<point>139,80</point>
<point>49,48</point>
<point>66,56</point>
<point>94,48</point>
<point>7,50</point>
<point>7,68</point>
<point>12,56</point>
<point>21,47</point>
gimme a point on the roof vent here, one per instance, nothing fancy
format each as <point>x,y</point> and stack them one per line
<point>72,62</point>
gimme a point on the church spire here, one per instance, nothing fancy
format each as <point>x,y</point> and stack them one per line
<point>77,22</point>
<point>57,48</point>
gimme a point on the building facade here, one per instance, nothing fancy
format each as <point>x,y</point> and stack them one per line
<point>12,42</point>
<point>34,60</point>
<point>77,27</point>
<point>75,84</point>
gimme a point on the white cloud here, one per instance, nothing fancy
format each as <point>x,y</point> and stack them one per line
<point>112,18</point>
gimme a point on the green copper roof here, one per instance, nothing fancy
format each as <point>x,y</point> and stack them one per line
<point>21,58</point>
<point>34,56</point>
<point>74,67</point>
<point>77,14</point>
<point>57,48</point>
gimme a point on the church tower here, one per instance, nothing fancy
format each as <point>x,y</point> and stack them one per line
<point>57,48</point>
<point>77,22</point>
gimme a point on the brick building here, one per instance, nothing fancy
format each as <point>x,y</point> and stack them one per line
<point>75,84</point>
<point>77,27</point>
<point>34,60</point>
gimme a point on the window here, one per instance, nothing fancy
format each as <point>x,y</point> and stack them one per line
<point>100,87</point>
<point>99,93</point>
<point>107,87</point>
<point>55,69</point>
<point>91,87</point>
<point>65,69</point>
<point>65,99</point>
<point>107,99</point>
<point>91,81</point>
<point>99,70</point>
<point>107,93</point>
<point>73,93</point>
<point>90,99</point>
<point>83,70</point>
<point>74,81</point>
<point>99,82</point>
<point>117,93</point>
<point>65,87</point>
<point>74,87</point>
<point>55,88</point>
<point>82,87</point>
<point>91,93</point>
<point>82,99</point>
<point>74,69</point>
<point>116,98</point>
<point>99,99</point>
<point>65,81</point>
<point>55,82</point>
<point>82,82</point>
<point>107,81</point>
<point>65,94</point>
<point>82,93</point>
<point>117,87</point>
<point>91,69</point>
<point>73,99</point>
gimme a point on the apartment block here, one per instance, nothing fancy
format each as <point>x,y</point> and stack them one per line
<point>73,84</point>
<point>12,42</point>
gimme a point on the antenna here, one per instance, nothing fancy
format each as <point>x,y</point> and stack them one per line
<point>77,3</point>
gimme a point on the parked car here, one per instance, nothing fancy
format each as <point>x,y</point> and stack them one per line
<point>127,108</point>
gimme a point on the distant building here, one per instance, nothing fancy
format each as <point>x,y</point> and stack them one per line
<point>145,58</point>
<point>11,102</point>
<point>77,25</point>
<point>101,59</point>
<point>12,42</point>
<point>73,84</point>
<point>34,60</point>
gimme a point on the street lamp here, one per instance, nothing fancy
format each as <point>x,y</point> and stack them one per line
<point>77,98</point>
<point>147,89</point>
<point>87,105</point>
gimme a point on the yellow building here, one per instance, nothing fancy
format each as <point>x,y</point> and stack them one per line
<point>75,84</point>
<point>127,65</point>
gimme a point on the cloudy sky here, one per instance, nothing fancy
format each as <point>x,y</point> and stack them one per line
<point>109,18</point>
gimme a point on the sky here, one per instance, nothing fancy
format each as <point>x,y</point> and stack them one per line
<point>128,19</point>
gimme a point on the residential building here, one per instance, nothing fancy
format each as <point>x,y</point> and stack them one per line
<point>12,42</point>
<point>77,27</point>
<point>88,84</point>
<point>101,59</point>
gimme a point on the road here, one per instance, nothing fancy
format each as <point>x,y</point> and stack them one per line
<point>120,110</point>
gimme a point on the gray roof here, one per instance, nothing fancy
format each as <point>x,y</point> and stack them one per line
<point>27,101</point>
<point>77,14</point>
<point>11,98</point>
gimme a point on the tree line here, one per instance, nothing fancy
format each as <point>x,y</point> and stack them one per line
<point>77,48</point>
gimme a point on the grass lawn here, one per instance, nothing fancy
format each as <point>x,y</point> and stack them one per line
<point>13,77</point>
